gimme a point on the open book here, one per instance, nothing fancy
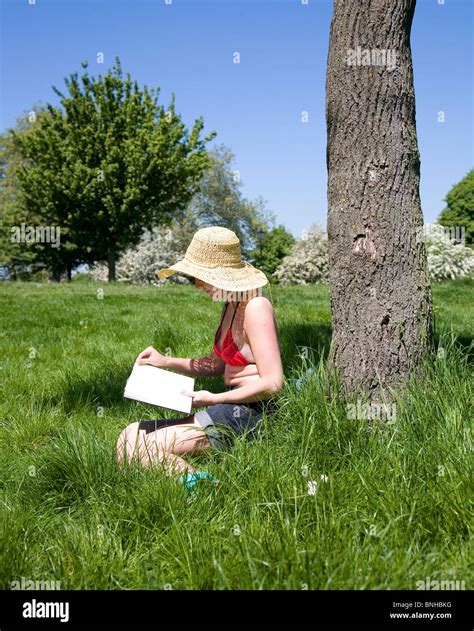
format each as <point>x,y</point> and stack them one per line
<point>159,387</point>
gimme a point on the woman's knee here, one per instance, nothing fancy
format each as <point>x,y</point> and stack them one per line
<point>127,442</point>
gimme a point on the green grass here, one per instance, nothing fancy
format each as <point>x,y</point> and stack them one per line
<point>395,509</point>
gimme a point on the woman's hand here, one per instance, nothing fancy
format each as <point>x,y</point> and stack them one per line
<point>201,397</point>
<point>151,356</point>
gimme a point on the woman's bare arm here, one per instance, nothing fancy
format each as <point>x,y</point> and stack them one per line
<point>207,366</point>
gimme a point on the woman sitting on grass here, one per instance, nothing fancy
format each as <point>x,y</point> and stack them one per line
<point>246,351</point>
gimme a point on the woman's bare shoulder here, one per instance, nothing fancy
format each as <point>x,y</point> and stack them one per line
<point>259,300</point>
<point>258,306</point>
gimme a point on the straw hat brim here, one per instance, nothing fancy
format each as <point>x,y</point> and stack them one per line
<point>228,278</point>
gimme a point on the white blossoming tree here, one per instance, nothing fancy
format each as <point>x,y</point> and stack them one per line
<point>157,249</point>
<point>308,260</point>
<point>447,259</point>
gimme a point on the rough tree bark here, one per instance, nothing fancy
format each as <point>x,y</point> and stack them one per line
<point>379,284</point>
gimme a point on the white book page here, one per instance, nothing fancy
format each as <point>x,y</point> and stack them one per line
<point>159,387</point>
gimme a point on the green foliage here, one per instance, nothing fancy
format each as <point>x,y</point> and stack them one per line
<point>18,257</point>
<point>275,245</point>
<point>107,164</point>
<point>219,202</point>
<point>395,507</point>
<point>460,207</point>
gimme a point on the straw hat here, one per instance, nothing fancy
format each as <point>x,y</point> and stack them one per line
<point>213,256</point>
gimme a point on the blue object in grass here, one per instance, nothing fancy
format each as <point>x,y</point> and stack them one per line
<point>190,479</point>
<point>299,382</point>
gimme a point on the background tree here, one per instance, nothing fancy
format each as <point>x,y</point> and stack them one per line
<point>380,291</point>
<point>34,212</point>
<point>18,257</point>
<point>109,163</point>
<point>276,244</point>
<point>459,211</point>
<point>219,201</point>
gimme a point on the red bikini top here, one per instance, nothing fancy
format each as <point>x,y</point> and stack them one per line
<point>230,352</point>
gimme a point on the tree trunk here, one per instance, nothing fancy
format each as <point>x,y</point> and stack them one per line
<point>69,271</point>
<point>379,284</point>
<point>55,273</point>
<point>111,263</point>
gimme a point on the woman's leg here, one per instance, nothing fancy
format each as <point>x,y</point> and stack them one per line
<point>152,446</point>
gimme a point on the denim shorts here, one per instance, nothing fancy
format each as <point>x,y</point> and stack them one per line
<point>224,422</point>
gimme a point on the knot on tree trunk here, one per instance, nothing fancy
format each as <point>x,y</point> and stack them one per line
<point>364,245</point>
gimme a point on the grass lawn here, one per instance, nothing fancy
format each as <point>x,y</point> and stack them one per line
<point>395,508</point>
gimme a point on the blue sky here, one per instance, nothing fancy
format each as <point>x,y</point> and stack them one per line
<point>187,47</point>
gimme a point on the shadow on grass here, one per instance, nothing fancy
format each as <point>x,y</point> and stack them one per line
<point>465,345</point>
<point>317,339</point>
<point>99,388</point>
<point>295,338</point>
